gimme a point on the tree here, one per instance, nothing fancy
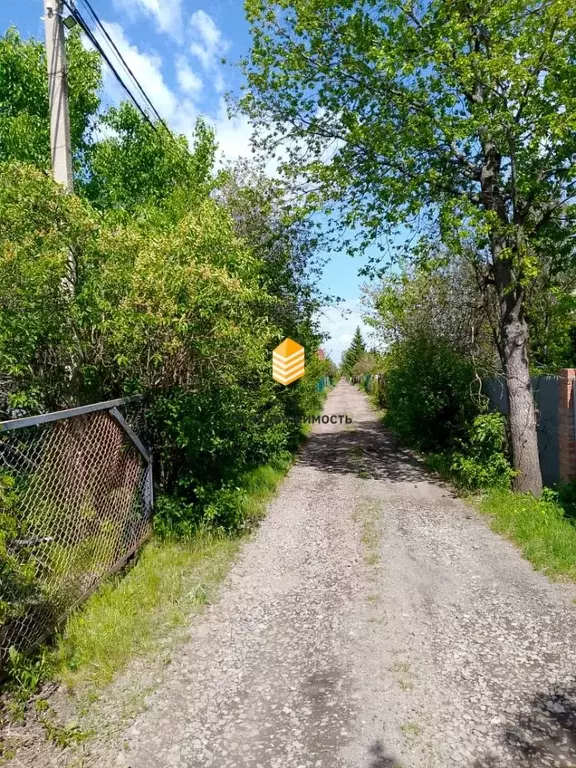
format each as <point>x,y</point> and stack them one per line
<point>24,112</point>
<point>369,362</point>
<point>442,305</point>
<point>354,352</point>
<point>455,114</point>
<point>187,280</point>
<point>284,238</point>
<point>138,164</point>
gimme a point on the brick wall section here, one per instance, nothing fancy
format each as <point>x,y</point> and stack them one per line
<point>566,433</point>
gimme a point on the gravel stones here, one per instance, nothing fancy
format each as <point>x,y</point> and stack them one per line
<point>374,621</point>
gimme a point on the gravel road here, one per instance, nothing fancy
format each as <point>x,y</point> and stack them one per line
<point>374,621</point>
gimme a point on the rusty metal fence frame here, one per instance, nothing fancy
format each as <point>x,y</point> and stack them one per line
<point>76,502</point>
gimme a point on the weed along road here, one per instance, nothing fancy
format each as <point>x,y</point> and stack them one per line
<point>373,621</point>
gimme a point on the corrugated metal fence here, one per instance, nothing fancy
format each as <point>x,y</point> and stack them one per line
<point>373,383</point>
<point>325,381</point>
<point>546,397</point>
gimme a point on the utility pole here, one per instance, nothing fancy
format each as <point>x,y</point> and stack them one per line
<point>60,144</point>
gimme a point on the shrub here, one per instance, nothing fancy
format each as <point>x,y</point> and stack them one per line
<point>172,303</point>
<point>428,394</point>
<point>17,574</point>
<point>482,462</point>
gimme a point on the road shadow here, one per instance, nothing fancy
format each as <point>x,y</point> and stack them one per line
<point>380,758</point>
<point>367,450</point>
<point>545,735</point>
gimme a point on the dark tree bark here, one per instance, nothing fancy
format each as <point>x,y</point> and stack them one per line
<point>513,332</point>
<point>522,420</point>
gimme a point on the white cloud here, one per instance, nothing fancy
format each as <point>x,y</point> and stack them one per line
<point>234,136</point>
<point>179,108</point>
<point>232,133</point>
<point>339,323</point>
<point>206,28</point>
<point>103,132</point>
<point>147,68</point>
<point>189,82</point>
<point>218,82</point>
<point>209,45</point>
<point>166,13</point>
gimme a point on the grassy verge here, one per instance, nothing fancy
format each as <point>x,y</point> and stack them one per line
<point>544,529</point>
<point>132,612</point>
<point>129,617</point>
<point>135,615</point>
<point>545,535</point>
<point>135,612</point>
<point>169,581</point>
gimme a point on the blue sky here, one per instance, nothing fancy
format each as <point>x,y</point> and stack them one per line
<point>175,49</point>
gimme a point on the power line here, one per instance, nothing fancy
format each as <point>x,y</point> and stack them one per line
<point>90,35</point>
<point>101,26</point>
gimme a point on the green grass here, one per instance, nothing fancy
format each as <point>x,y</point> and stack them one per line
<point>128,614</point>
<point>135,614</point>
<point>169,581</point>
<point>261,483</point>
<point>546,537</point>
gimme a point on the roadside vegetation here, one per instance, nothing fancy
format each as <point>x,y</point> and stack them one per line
<point>170,580</point>
<point>429,387</point>
<point>440,133</point>
<point>544,529</point>
<point>425,125</point>
<point>429,390</point>
<point>164,274</point>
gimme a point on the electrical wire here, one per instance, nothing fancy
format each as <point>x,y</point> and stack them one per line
<point>95,42</point>
<point>113,45</point>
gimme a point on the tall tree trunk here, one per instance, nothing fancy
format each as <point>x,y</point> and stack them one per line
<point>513,345</point>
<point>521,408</point>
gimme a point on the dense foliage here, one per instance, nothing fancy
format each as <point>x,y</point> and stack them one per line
<point>438,349</point>
<point>439,120</point>
<point>24,117</point>
<point>180,294</point>
<point>429,392</point>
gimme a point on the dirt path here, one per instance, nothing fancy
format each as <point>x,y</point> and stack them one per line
<point>373,622</point>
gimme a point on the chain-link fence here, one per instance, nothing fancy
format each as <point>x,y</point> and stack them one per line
<point>75,503</point>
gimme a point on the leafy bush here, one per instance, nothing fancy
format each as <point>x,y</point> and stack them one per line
<point>479,461</point>
<point>173,304</point>
<point>565,496</point>
<point>25,672</point>
<point>17,575</point>
<point>186,281</point>
<point>482,462</point>
<point>428,392</point>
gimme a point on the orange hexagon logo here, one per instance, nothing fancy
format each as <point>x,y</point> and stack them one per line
<point>288,362</point>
